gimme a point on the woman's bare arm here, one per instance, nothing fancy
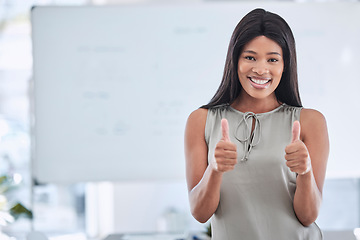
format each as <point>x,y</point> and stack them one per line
<point>313,148</point>
<point>203,179</point>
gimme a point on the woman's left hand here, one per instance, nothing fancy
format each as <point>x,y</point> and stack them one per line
<point>297,155</point>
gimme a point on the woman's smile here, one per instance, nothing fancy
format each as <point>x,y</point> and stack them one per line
<point>259,82</point>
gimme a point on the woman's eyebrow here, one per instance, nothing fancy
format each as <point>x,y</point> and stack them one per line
<point>250,51</point>
<point>269,53</point>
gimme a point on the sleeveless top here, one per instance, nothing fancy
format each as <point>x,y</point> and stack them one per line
<point>256,198</point>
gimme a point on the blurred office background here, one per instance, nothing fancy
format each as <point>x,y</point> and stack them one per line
<point>72,208</point>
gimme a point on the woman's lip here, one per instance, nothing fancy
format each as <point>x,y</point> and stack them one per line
<point>260,86</point>
<point>259,78</point>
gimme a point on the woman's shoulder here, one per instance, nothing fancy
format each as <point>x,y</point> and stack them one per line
<point>202,112</point>
<point>197,118</point>
<point>198,113</point>
<point>312,121</point>
<point>306,114</point>
<point>311,115</point>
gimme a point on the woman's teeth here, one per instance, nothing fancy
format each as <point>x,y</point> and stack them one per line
<point>261,82</point>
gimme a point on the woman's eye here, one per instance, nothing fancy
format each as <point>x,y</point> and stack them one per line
<point>273,60</point>
<point>249,58</point>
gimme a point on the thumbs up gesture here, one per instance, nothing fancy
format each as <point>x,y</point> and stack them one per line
<point>297,156</point>
<point>225,154</point>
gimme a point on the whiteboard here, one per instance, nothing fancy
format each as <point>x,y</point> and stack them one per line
<point>114,85</point>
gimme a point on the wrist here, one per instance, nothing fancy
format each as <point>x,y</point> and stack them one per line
<point>306,175</point>
<point>214,169</point>
<point>307,171</point>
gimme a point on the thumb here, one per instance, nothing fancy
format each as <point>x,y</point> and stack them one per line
<point>295,131</point>
<point>225,130</point>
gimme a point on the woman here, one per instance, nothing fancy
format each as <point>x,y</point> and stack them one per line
<point>255,159</point>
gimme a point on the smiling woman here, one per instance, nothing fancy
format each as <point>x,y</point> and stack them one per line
<point>255,158</point>
<point>260,67</point>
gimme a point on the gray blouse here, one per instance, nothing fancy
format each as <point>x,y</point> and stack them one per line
<point>256,198</point>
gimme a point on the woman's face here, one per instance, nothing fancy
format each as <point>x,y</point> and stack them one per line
<point>260,68</point>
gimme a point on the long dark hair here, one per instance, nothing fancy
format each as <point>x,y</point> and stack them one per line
<point>256,23</point>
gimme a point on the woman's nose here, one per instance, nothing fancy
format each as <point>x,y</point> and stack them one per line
<point>260,69</point>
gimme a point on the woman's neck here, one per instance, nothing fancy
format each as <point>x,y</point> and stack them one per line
<point>249,104</point>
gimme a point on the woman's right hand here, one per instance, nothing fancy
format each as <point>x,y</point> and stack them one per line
<point>225,154</point>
